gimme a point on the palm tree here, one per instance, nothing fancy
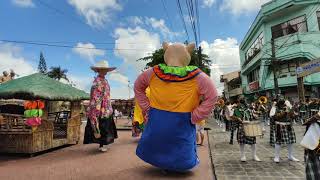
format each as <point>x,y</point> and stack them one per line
<point>57,73</point>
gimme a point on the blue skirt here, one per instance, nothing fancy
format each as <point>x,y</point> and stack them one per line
<point>169,141</point>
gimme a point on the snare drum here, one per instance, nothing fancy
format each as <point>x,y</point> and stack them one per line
<point>252,128</point>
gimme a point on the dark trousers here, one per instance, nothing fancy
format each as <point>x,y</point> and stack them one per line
<point>231,136</point>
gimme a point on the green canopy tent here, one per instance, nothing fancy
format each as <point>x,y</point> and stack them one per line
<point>39,86</point>
<point>57,128</point>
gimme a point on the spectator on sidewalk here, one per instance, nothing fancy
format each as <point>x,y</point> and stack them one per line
<point>116,114</point>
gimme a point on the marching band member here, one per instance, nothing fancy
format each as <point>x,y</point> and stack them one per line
<point>311,142</point>
<point>284,132</point>
<point>242,113</point>
<point>222,119</point>
<point>229,113</point>
<point>260,111</point>
<point>313,107</point>
<point>272,123</point>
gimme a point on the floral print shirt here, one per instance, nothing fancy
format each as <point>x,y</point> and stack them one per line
<point>100,103</point>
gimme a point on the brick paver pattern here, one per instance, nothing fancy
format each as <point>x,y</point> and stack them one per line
<point>227,164</point>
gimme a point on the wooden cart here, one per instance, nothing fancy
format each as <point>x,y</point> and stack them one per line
<point>57,128</point>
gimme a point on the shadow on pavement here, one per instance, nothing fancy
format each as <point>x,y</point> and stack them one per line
<point>154,172</point>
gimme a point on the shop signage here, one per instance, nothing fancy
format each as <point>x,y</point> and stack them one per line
<point>308,68</point>
<point>254,85</point>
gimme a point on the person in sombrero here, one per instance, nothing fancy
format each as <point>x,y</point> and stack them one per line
<point>100,127</point>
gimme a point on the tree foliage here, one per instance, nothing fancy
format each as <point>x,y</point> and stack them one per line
<point>42,67</point>
<point>57,73</point>
<point>157,57</point>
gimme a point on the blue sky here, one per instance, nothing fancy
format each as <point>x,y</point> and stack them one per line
<point>120,30</point>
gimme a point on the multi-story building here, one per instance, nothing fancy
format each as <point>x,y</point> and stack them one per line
<point>232,85</point>
<point>294,25</point>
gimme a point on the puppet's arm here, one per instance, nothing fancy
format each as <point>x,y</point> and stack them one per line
<point>209,92</point>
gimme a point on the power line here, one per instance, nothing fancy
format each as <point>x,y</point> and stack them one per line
<point>167,14</point>
<point>68,46</point>
<point>182,19</point>
<point>298,27</point>
<point>58,11</point>
<point>93,42</point>
<point>198,19</point>
<point>289,37</point>
<point>192,19</point>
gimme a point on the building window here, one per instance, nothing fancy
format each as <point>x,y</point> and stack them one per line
<point>318,15</point>
<point>253,75</point>
<point>298,24</point>
<point>255,48</point>
<point>288,69</point>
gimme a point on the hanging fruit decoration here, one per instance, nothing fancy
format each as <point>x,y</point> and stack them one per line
<point>33,112</point>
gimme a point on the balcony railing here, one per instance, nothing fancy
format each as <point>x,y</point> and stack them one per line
<point>289,29</point>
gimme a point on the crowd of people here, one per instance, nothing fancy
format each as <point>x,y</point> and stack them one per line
<point>281,116</point>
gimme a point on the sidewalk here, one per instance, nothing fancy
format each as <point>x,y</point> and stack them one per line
<point>84,162</point>
<point>227,164</point>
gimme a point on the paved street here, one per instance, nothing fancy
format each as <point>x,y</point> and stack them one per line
<point>84,162</point>
<point>227,165</point>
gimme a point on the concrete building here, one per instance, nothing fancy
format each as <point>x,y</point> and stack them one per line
<point>232,85</point>
<point>294,26</point>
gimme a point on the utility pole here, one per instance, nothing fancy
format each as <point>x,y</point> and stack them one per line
<point>199,57</point>
<point>274,68</point>
<point>301,91</point>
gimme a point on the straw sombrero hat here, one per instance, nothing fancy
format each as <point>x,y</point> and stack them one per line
<point>102,65</point>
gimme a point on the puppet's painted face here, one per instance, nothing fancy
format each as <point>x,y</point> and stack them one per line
<point>177,54</point>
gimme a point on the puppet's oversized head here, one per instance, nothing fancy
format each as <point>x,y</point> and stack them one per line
<point>177,54</point>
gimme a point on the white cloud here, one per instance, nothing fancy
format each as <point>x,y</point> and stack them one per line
<point>135,20</point>
<point>225,57</point>
<point>154,25</point>
<point>242,6</point>
<point>121,92</point>
<point>88,51</point>
<point>96,12</point>
<point>11,58</point>
<point>23,3</point>
<point>160,25</point>
<point>116,92</point>
<point>81,82</point>
<point>118,77</point>
<point>132,44</point>
<point>208,3</point>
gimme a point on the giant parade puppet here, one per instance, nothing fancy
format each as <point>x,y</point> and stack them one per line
<point>173,108</point>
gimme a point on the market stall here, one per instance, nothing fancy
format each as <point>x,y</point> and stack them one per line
<point>29,124</point>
